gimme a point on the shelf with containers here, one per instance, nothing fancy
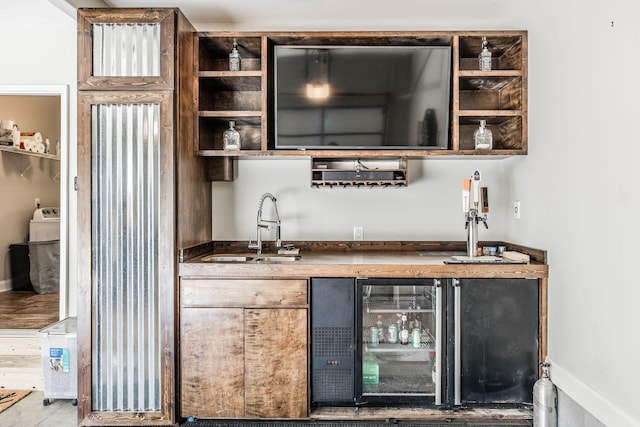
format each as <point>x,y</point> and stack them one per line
<point>391,365</point>
<point>498,96</point>
<point>224,95</point>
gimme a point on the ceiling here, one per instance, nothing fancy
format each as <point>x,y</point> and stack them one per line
<point>325,15</point>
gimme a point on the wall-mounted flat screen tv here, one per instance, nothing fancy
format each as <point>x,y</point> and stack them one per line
<point>362,97</point>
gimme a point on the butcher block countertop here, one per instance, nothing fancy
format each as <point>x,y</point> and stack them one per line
<point>358,259</point>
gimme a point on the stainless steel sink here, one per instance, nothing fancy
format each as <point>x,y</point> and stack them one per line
<point>250,258</point>
<point>277,258</point>
<point>227,258</point>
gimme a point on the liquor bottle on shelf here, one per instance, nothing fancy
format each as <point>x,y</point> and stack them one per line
<point>231,137</point>
<point>484,59</point>
<point>417,321</point>
<point>483,137</point>
<point>404,331</point>
<point>380,327</point>
<point>234,57</point>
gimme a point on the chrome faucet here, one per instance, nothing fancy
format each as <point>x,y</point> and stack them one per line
<point>264,223</point>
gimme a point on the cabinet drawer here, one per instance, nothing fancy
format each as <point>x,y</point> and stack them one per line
<point>243,293</point>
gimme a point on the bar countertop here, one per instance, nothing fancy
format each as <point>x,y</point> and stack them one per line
<point>356,259</point>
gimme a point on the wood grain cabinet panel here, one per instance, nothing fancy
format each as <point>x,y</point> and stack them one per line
<point>212,362</point>
<point>244,348</point>
<point>243,293</point>
<point>276,363</point>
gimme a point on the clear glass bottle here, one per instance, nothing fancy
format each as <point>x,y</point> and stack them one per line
<point>484,59</point>
<point>234,57</point>
<point>483,137</point>
<point>380,327</point>
<point>404,331</point>
<point>231,137</point>
<point>417,323</point>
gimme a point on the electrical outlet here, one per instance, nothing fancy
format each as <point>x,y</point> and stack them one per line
<point>516,209</point>
<point>37,202</point>
<point>358,232</point>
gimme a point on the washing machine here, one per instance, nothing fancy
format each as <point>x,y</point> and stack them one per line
<point>45,225</point>
<point>44,250</point>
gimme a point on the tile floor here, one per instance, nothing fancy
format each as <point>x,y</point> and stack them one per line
<point>30,412</point>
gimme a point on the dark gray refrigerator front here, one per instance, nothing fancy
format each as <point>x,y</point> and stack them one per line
<point>495,340</point>
<point>333,341</point>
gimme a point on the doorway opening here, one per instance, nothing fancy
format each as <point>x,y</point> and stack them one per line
<point>34,176</point>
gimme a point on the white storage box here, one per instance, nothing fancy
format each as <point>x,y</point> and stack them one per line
<point>58,343</point>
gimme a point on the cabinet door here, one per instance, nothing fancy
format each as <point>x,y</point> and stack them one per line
<point>212,363</point>
<point>497,341</point>
<point>126,49</point>
<point>125,257</point>
<point>276,363</point>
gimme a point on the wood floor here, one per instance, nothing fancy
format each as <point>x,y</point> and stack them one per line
<point>28,310</point>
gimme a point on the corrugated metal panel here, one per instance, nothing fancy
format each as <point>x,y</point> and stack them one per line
<point>125,210</point>
<point>124,50</point>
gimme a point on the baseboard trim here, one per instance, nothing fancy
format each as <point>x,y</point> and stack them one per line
<point>601,408</point>
<point>5,285</point>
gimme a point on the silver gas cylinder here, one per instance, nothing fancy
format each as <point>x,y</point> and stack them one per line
<point>545,401</point>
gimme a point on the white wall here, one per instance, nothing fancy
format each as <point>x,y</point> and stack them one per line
<point>578,188</point>
<point>430,208</point>
<point>39,48</point>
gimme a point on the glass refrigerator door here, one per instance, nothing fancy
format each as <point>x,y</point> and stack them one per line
<point>400,325</point>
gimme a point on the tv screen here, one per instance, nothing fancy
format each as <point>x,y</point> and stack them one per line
<point>362,97</point>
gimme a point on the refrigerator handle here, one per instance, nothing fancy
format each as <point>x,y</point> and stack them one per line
<point>438,338</point>
<point>456,352</point>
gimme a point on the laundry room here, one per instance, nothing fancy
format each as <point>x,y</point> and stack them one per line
<point>30,133</point>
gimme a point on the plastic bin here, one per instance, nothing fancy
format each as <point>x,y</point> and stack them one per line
<point>58,343</point>
<point>19,263</point>
<point>44,260</point>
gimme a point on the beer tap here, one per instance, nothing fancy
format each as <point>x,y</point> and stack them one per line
<point>471,188</point>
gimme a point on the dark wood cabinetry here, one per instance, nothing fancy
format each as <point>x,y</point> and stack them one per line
<point>252,341</point>
<point>225,95</point>
<point>498,96</point>
<point>142,195</point>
